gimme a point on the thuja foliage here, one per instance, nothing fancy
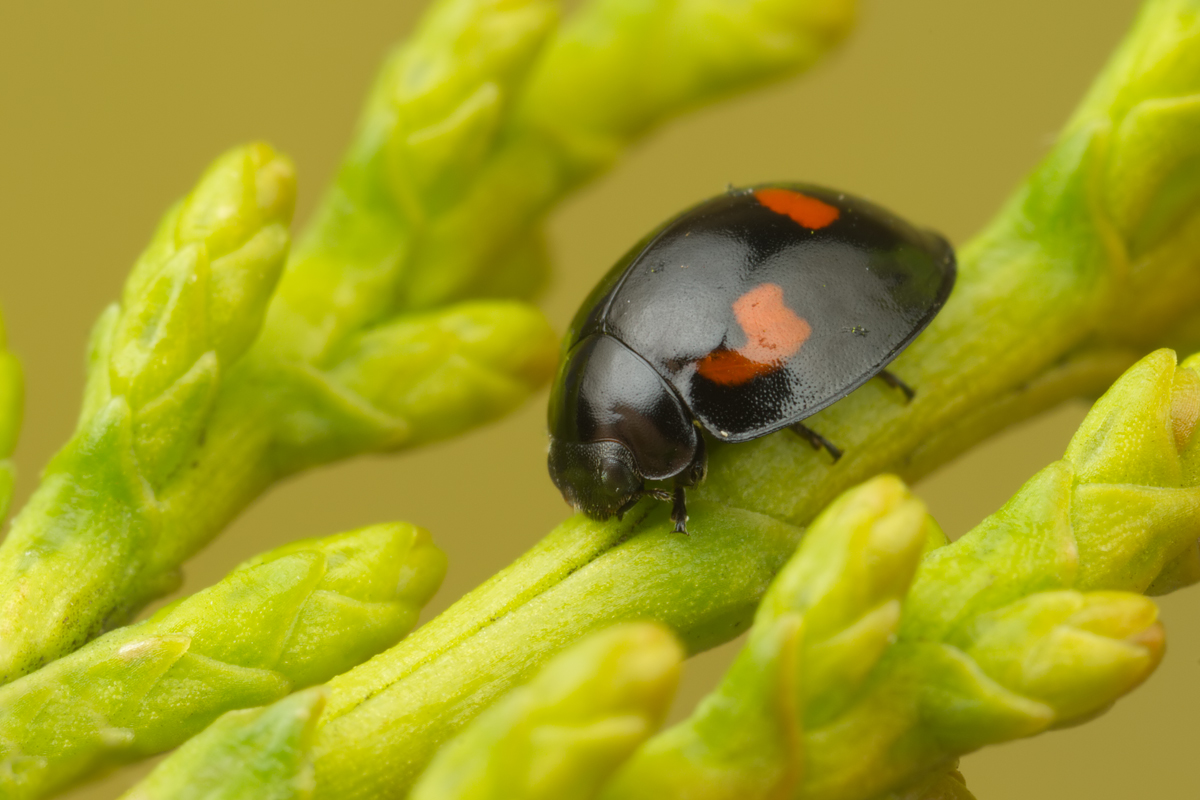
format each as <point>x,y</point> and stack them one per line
<point>291,618</point>
<point>877,654</point>
<point>397,319</point>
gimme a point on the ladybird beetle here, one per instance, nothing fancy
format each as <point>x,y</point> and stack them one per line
<point>741,316</point>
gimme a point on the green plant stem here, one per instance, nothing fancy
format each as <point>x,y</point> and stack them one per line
<point>561,735</point>
<point>1048,282</point>
<point>78,556</point>
<point>829,615</point>
<point>285,620</point>
<point>253,754</point>
<point>389,326</point>
<point>1110,516</point>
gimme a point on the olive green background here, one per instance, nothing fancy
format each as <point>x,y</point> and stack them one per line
<point>936,108</point>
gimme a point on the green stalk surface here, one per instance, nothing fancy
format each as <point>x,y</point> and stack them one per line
<point>291,618</point>
<point>252,754</point>
<point>560,736</point>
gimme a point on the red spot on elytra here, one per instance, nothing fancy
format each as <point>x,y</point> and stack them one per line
<point>731,368</point>
<point>807,211</point>
<point>773,334</point>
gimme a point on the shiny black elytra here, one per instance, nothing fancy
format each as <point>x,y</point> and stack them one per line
<point>742,316</point>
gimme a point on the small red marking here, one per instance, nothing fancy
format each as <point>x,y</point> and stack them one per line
<point>773,334</point>
<point>807,211</point>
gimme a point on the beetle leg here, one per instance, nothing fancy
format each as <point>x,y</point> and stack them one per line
<point>678,505</point>
<point>896,383</point>
<point>679,511</point>
<point>816,440</point>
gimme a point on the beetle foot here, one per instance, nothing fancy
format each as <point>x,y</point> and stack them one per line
<point>896,383</point>
<point>679,511</point>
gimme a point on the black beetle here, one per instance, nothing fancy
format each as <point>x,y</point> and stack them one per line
<point>742,316</point>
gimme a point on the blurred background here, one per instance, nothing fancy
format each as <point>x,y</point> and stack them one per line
<point>936,108</point>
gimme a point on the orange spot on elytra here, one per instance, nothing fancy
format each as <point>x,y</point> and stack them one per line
<point>807,211</point>
<point>773,334</point>
<point>773,331</point>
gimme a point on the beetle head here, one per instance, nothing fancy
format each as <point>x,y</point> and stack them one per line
<point>598,478</point>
